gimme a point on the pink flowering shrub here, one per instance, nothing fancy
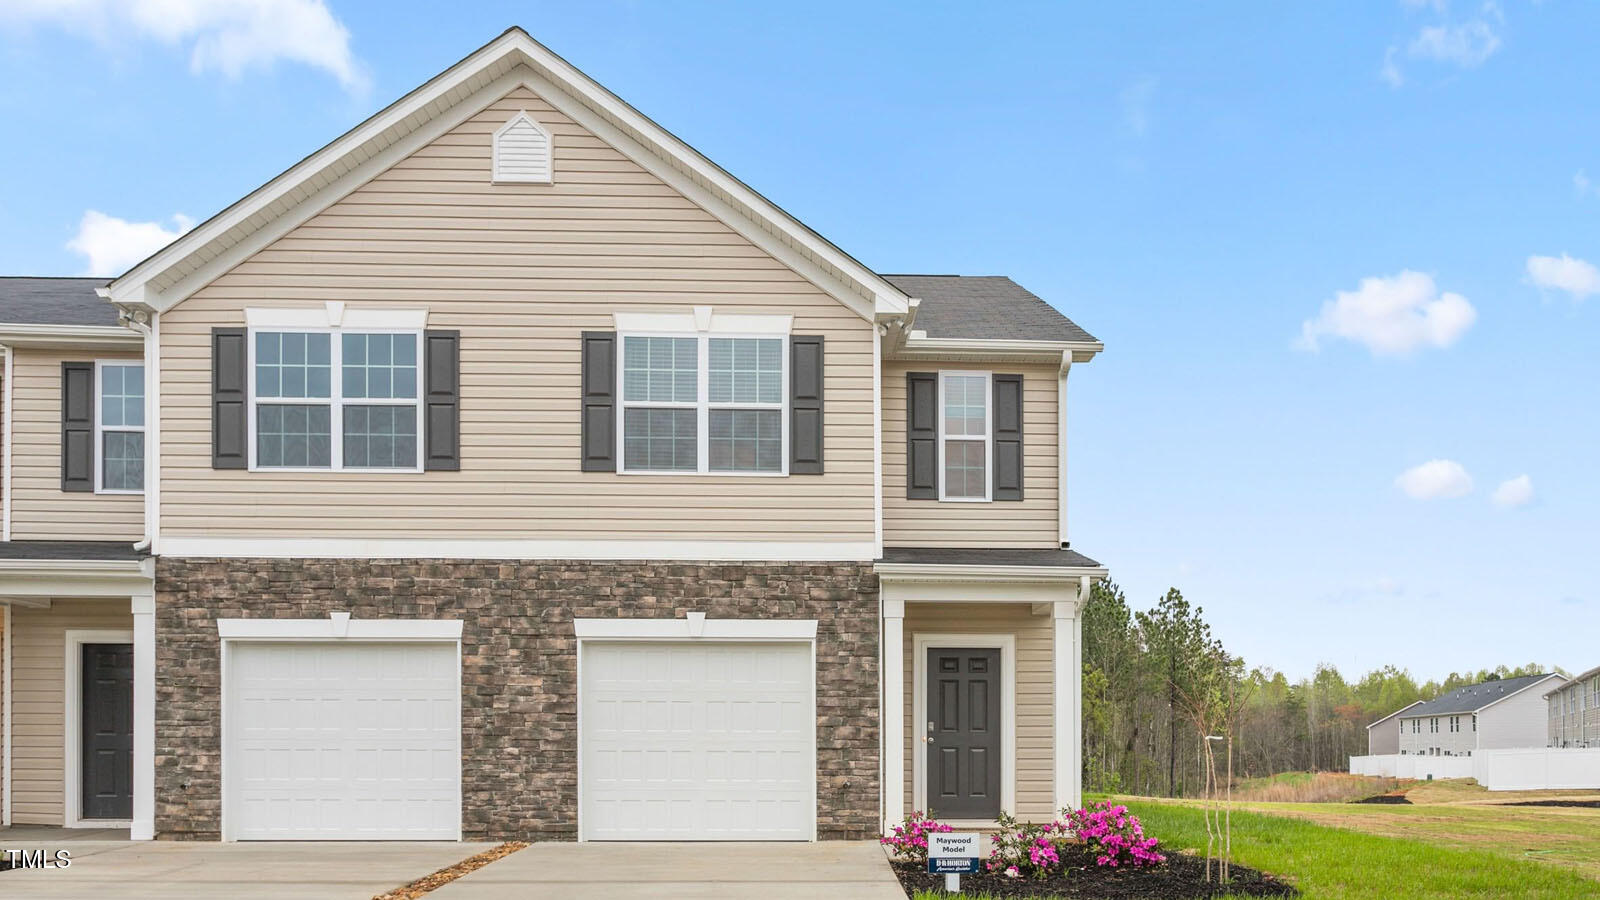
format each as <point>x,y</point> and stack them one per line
<point>1114,835</point>
<point>910,839</point>
<point>1109,833</point>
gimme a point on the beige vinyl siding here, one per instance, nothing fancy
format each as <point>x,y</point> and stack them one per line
<point>521,270</point>
<point>40,510</point>
<point>1035,692</point>
<point>38,716</point>
<point>933,523</point>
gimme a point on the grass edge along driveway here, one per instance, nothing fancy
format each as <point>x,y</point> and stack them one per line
<point>1339,864</point>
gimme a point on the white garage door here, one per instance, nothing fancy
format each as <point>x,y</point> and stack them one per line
<point>342,741</point>
<point>697,741</point>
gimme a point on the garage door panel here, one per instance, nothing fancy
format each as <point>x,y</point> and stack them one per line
<point>697,741</point>
<point>343,741</point>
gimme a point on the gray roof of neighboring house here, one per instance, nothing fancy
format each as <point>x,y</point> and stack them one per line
<point>940,556</point>
<point>1395,713</point>
<point>27,300</point>
<point>984,307</point>
<point>1473,697</point>
<point>69,550</point>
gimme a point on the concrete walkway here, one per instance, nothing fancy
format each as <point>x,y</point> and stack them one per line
<point>835,870</point>
<point>157,870</point>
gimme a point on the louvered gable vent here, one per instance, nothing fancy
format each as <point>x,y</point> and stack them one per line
<point>522,151</point>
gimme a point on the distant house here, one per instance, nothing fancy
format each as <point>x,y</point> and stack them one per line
<point>1574,712</point>
<point>1382,736</point>
<point>1485,716</point>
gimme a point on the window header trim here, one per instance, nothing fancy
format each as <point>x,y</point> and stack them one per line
<point>704,320</point>
<point>334,314</point>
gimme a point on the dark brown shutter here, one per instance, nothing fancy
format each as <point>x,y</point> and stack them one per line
<point>599,423</point>
<point>922,436</point>
<point>1008,437</point>
<point>805,405</point>
<point>441,401</point>
<point>228,398</point>
<point>77,426</point>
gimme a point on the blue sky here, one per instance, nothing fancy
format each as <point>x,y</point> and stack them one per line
<point>1304,438</point>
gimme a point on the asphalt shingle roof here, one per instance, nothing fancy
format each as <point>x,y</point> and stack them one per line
<point>942,556</point>
<point>1472,698</point>
<point>984,307</point>
<point>27,300</point>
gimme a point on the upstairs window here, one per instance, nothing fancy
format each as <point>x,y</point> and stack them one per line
<point>332,399</point>
<point>522,151</point>
<point>119,421</point>
<point>964,436</point>
<point>704,404</point>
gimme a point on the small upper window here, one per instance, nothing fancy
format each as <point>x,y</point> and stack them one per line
<point>965,430</point>
<point>523,151</point>
<point>119,447</point>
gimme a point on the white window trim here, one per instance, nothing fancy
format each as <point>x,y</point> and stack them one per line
<point>72,723</point>
<point>1007,645</point>
<point>335,399</point>
<point>987,438</point>
<point>703,404</point>
<point>495,177</point>
<point>100,428</point>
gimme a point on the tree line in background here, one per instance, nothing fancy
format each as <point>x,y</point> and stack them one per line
<point>1156,682</point>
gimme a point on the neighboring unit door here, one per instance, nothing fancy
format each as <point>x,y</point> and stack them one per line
<point>342,741</point>
<point>697,741</point>
<point>963,731</point>
<point>107,739</point>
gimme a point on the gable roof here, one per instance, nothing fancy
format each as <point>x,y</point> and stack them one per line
<point>1474,697</point>
<point>512,59</point>
<point>1395,713</point>
<point>985,307</point>
<point>27,300</point>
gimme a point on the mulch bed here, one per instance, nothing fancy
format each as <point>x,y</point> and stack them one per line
<point>1182,877</point>
<point>444,876</point>
<point>1385,798</point>
<point>1581,804</point>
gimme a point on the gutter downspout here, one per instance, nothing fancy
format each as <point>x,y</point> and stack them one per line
<point>152,423</point>
<point>5,449</point>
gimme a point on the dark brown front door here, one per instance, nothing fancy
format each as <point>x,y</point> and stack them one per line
<point>963,731</point>
<point>107,731</point>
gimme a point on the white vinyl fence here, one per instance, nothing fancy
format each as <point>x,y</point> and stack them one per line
<point>1522,769</point>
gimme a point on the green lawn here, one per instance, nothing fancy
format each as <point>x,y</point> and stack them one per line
<point>1340,864</point>
<point>1337,863</point>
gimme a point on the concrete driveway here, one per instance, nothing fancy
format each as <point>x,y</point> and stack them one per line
<point>156,870</point>
<point>836,870</point>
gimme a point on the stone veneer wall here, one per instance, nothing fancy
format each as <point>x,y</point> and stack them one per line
<point>519,668</point>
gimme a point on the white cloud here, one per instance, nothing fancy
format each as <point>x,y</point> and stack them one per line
<point>1135,99</point>
<point>1514,492</point>
<point>1467,44</point>
<point>1581,183</point>
<point>1392,315</point>
<point>227,36</point>
<point>1436,479</point>
<point>113,245</point>
<point>1391,70</point>
<point>1564,273</point>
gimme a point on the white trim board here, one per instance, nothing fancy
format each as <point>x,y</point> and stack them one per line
<point>921,643</point>
<point>424,548</point>
<point>5,461</point>
<point>5,719</point>
<point>696,628</point>
<point>72,724</point>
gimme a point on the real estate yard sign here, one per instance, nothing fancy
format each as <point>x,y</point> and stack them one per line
<point>950,855</point>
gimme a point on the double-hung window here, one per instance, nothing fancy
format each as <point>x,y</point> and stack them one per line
<point>335,399</point>
<point>119,421</point>
<point>965,432</point>
<point>704,404</point>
